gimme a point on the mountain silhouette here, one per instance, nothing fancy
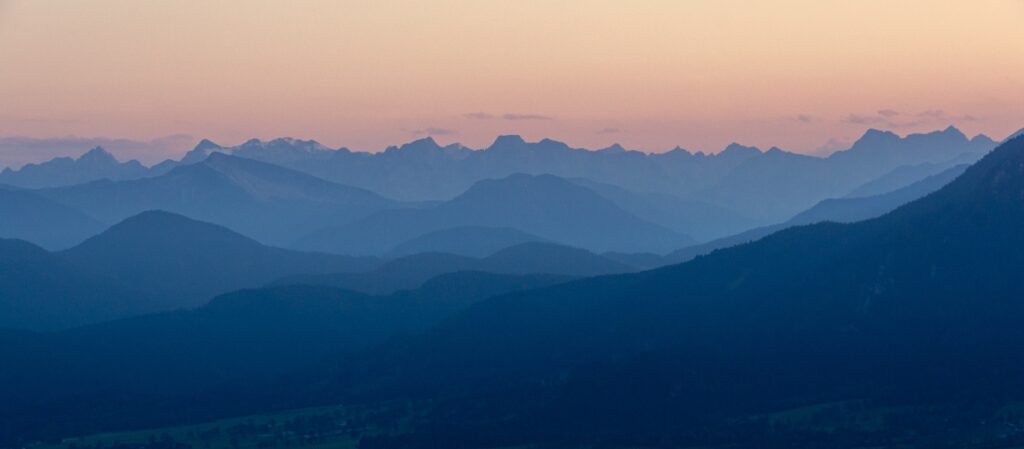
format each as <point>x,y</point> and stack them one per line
<point>28,216</point>
<point>239,339</point>
<point>839,210</point>
<point>180,262</point>
<point>546,206</point>
<point>95,164</point>
<point>848,210</point>
<point>39,290</point>
<point>269,203</point>
<point>412,271</point>
<point>907,318</point>
<point>764,186</point>
<point>778,184</point>
<point>912,309</point>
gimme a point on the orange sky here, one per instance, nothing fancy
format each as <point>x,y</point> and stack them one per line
<point>648,74</point>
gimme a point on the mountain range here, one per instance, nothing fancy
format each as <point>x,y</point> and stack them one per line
<point>269,203</point>
<point>837,210</point>
<point>150,262</point>
<point>544,205</point>
<point>26,215</point>
<point>763,186</point>
<point>412,271</point>
<point>94,165</point>
<point>241,338</point>
<point>915,310</point>
<point>883,312</point>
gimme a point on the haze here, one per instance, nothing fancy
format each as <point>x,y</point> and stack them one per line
<point>804,75</point>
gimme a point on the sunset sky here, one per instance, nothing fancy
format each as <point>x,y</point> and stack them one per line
<point>651,75</point>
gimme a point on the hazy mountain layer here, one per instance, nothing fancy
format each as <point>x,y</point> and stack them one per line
<point>412,271</point>
<point>269,203</point>
<point>546,206</point>
<point>178,262</point>
<point>28,216</point>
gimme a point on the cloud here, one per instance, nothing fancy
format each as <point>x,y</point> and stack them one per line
<point>609,131</point>
<point>435,132</point>
<point>858,119</point>
<point>510,116</point>
<point>804,118</point>
<point>505,116</point>
<point>939,114</point>
<point>889,118</point>
<point>478,115</point>
<point>832,146</point>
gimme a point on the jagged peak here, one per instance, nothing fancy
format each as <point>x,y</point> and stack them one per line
<point>613,148</point>
<point>953,130</point>
<point>874,137</point>
<point>508,140</point>
<point>98,154</point>
<point>206,144</point>
<point>425,141</point>
<point>877,133</point>
<point>736,148</point>
<point>419,145</point>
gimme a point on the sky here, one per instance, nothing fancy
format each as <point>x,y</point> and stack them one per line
<point>807,76</point>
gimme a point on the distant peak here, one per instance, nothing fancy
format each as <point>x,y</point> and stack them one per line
<point>953,132</point>
<point>424,144</point>
<point>290,141</point>
<point>982,139</point>
<point>207,145</point>
<point>253,142</point>
<point>98,154</point>
<point>875,132</point>
<point>735,148</point>
<point>508,140</point>
<point>424,141</point>
<point>614,148</point>
<point>678,150</point>
<point>875,136</point>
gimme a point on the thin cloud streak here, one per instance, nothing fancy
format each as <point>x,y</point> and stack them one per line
<point>510,116</point>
